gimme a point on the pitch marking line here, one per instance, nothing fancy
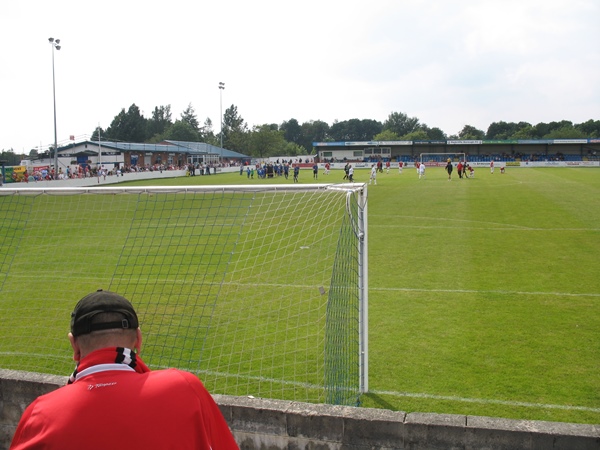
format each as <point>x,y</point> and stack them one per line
<point>416,395</point>
<point>484,224</point>
<point>372,289</point>
<point>450,291</point>
<point>488,401</point>
<point>483,401</point>
<point>498,228</point>
<point>425,396</point>
<point>476,291</point>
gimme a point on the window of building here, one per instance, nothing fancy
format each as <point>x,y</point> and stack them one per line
<point>378,151</point>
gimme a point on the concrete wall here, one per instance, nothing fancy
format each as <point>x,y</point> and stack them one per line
<point>112,179</point>
<point>276,424</point>
<point>95,181</point>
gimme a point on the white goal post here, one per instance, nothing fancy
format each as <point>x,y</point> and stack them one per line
<point>260,290</point>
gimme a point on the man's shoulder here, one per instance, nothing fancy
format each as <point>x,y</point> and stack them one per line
<point>173,375</point>
<point>165,378</point>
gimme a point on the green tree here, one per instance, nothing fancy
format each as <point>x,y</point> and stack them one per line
<point>541,129</point>
<point>504,131</point>
<point>355,130</point>
<point>500,130</point>
<point>98,134</point>
<point>208,133</point>
<point>181,131</point>
<point>386,135</point>
<point>160,121</point>
<point>566,132</point>
<point>128,126</point>
<point>338,131</point>
<point>265,142</point>
<point>526,132</point>
<point>418,135</point>
<point>293,149</point>
<point>313,131</point>
<point>189,116</point>
<point>563,124</point>
<point>235,132</point>
<point>522,128</point>
<point>591,128</point>
<point>238,141</point>
<point>10,158</point>
<point>370,128</point>
<point>232,119</point>
<point>401,124</point>
<point>434,134</point>
<point>292,131</point>
<point>471,133</point>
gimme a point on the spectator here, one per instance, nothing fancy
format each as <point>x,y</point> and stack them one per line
<point>113,401</point>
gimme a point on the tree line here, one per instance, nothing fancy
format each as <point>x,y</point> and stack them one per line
<point>291,138</point>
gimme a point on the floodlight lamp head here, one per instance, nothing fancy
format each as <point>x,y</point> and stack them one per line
<point>50,40</point>
<point>57,47</point>
<point>58,41</point>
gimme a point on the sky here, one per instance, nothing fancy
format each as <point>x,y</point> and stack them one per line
<point>449,63</point>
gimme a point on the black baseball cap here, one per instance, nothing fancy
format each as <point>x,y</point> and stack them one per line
<point>82,317</point>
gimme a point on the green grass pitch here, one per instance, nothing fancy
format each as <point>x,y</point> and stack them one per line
<point>484,293</point>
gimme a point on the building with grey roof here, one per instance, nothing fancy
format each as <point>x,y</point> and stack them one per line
<point>111,155</point>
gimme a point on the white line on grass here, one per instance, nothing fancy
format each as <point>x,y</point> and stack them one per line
<point>394,289</point>
<point>500,228</point>
<point>477,291</point>
<point>484,225</point>
<point>459,291</point>
<point>488,401</point>
<point>417,395</point>
<point>484,401</point>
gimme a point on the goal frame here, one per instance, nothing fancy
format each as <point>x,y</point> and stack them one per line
<point>360,222</point>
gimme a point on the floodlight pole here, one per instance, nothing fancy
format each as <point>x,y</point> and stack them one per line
<point>55,45</point>
<point>99,147</point>
<point>221,88</point>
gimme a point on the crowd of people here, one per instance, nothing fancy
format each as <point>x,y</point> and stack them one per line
<point>83,171</point>
<point>463,169</point>
<point>202,169</point>
<point>268,169</point>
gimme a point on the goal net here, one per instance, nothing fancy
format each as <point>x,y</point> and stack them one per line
<point>441,159</point>
<point>260,290</point>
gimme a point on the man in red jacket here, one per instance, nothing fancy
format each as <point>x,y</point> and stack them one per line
<point>113,401</point>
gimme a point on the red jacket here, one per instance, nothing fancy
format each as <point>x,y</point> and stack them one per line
<point>111,406</point>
